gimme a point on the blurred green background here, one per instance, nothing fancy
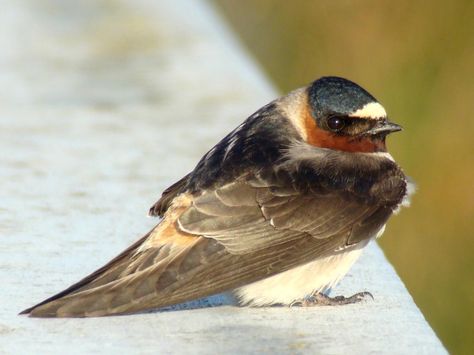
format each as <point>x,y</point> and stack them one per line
<point>417,58</point>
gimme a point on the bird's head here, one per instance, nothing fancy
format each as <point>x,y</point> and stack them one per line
<point>343,116</point>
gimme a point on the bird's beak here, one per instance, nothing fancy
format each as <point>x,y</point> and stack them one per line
<point>383,128</point>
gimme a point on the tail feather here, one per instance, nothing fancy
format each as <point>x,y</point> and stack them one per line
<point>102,276</point>
<point>136,290</point>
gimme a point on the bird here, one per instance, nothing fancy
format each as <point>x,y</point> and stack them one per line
<point>276,213</point>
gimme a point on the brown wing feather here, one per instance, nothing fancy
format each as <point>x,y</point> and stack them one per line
<point>269,215</point>
<point>217,241</point>
<point>102,275</point>
<point>146,281</point>
<point>126,263</point>
<point>198,270</point>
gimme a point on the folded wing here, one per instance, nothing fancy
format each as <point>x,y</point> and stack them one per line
<point>219,240</point>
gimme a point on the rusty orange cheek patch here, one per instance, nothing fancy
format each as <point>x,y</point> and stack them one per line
<point>324,139</point>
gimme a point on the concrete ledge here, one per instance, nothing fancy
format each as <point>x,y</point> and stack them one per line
<point>104,104</point>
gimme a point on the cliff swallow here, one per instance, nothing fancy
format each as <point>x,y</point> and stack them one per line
<point>276,212</point>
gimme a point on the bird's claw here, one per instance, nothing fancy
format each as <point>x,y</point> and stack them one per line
<point>320,299</point>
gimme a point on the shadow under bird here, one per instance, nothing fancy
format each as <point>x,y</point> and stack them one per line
<point>276,213</point>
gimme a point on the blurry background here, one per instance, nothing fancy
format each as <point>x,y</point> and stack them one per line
<point>417,58</point>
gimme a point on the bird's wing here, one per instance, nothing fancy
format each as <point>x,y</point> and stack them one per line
<point>247,216</point>
<point>219,240</point>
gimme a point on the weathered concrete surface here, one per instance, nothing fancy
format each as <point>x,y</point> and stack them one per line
<point>102,105</point>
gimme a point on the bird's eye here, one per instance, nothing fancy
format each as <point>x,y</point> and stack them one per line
<point>336,123</point>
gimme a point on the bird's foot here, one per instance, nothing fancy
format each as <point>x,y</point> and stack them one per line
<point>320,299</point>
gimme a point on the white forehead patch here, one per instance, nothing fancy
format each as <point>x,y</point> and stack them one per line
<point>371,110</point>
